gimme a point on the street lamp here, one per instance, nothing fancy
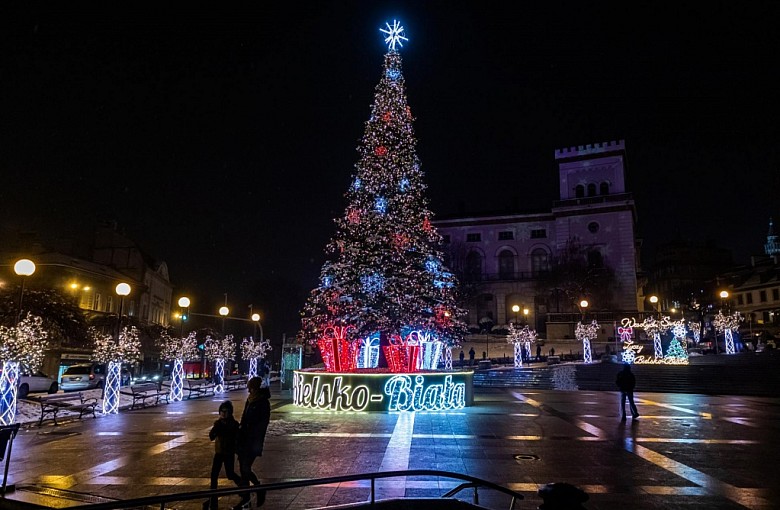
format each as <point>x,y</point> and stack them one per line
<point>122,290</point>
<point>23,268</point>
<point>224,311</point>
<point>724,295</point>
<point>184,304</point>
<point>525,314</point>
<point>515,308</point>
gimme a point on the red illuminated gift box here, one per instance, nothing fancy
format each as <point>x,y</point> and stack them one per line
<point>401,355</point>
<point>337,352</point>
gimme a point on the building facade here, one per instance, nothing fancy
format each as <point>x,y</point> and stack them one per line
<point>510,263</point>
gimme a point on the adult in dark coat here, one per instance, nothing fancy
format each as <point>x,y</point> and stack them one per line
<point>251,434</point>
<point>626,382</point>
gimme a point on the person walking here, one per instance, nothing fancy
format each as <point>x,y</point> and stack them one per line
<point>626,382</point>
<point>471,356</point>
<point>224,433</point>
<point>251,435</point>
<point>462,356</point>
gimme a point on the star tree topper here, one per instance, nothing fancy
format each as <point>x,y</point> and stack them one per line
<point>395,35</point>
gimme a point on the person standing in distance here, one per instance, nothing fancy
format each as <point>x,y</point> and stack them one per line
<point>251,435</point>
<point>626,382</point>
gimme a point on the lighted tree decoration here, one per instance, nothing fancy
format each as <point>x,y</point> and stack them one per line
<point>219,351</point>
<point>584,333</point>
<point>521,338</point>
<point>253,350</point>
<point>178,350</point>
<point>727,324</point>
<point>676,353</point>
<point>25,344</point>
<point>695,328</point>
<point>655,328</point>
<point>126,348</point>
<point>384,272</point>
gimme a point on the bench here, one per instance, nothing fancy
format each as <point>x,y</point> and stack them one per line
<point>198,387</point>
<point>553,360</point>
<point>234,382</point>
<point>73,402</point>
<point>144,391</point>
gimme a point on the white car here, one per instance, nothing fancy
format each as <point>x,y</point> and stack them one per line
<point>34,382</point>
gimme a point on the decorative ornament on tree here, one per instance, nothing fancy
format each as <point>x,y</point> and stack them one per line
<point>395,35</point>
<point>380,151</point>
<point>387,116</point>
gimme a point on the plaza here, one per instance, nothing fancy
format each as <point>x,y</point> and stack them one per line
<point>685,451</point>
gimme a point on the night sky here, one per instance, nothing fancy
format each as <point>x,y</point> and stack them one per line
<point>223,142</point>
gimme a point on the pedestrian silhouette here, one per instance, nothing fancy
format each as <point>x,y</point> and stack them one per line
<point>538,352</point>
<point>251,434</point>
<point>471,356</point>
<point>626,382</point>
<point>224,433</point>
<point>462,356</point>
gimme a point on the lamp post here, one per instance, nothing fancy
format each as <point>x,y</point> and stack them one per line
<point>23,268</point>
<point>184,304</point>
<point>114,371</point>
<point>583,307</point>
<point>516,309</point>
<point>525,314</point>
<point>654,301</point>
<point>724,295</point>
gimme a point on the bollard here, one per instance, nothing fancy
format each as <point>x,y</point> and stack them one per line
<point>562,496</point>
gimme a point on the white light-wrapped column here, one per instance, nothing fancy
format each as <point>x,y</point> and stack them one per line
<point>219,375</point>
<point>252,368</point>
<point>518,354</point>
<point>448,358</point>
<point>586,354</point>
<point>177,381</point>
<point>729,337</point>
<point>9,382</point>
<point>658,350</point>
<point>111,389</point>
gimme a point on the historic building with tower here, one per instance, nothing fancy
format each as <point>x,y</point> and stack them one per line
<point>511,265</point>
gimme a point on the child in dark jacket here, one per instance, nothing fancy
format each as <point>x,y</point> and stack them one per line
<point>224,433</point>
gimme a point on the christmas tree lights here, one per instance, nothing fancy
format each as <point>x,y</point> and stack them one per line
<point>25,344</point>
<point>126,348</point>
<point>676,349</point>
<point>178,350</point>
<point>521,338</point>
<point>727,324</point>
<point>219,351</point>
<point>584,333</point>
<point>384,275</point>
<point>253,350</point>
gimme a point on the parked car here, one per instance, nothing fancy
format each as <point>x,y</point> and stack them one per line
<point>33,382</point>
<point>83,376</point>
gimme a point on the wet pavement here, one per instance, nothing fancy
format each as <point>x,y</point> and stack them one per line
<point>685,451</point>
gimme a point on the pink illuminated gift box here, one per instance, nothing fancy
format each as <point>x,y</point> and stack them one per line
<point>337,352</point>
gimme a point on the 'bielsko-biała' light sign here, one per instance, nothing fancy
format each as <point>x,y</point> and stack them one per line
<point>427,391</point>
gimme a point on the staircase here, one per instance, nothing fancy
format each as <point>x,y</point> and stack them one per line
<point>559,377</point>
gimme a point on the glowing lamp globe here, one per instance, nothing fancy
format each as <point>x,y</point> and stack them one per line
<point>724,294</point>
<point>184,302</point>
<point>515,308</point>
<point>24,267</point>
<point>224,310</point>
<point>123,289</point>
<point>654,299</point>
<point>256,317</point>
<point>584,303</point>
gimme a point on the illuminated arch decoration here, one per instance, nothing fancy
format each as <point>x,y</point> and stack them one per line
<point>655,328</point>
<point>727,324</point>
<point>178,350</point>
<point>585,332</point>
<point>337,352</point>
<point>367,351</point>
<point>676,347</point>
<point>24,343</point>
<point>358,392</point>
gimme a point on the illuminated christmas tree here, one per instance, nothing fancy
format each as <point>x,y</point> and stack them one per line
<point>384,272</point>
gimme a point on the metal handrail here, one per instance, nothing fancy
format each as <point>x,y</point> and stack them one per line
<point>161,500</point>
